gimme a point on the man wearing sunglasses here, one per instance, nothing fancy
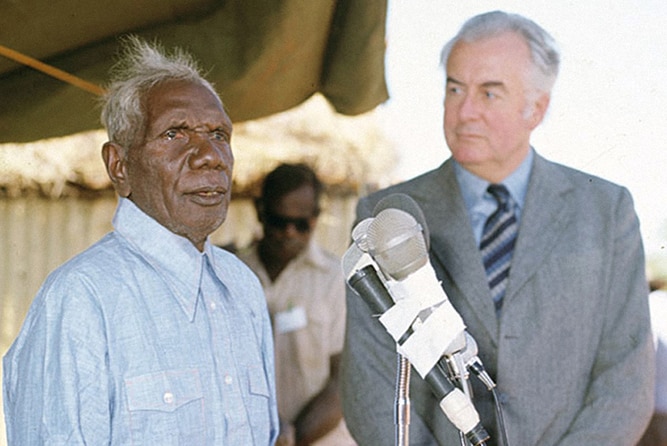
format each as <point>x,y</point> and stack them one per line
<point>305,292</point>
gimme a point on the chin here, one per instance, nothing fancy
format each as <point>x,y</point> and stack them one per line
<point>206,225</point>
<point>467,157</point>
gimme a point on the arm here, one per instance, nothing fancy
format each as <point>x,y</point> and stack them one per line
<point>56,384</point>
<point>367,376</point>
<point>323,412</point>
<point>269,366</point>
<point>619,401</point>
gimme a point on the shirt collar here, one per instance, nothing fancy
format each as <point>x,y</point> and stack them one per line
<point>473,187</point>
<point>314,255</point>
<point>174,257</point>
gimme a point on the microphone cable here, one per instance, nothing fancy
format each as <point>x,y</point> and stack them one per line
<point>478,370</point>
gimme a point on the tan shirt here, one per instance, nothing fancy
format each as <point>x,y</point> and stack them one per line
<point>307,307</point>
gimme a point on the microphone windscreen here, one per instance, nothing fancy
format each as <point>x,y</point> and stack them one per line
<point>351,258</point>
<point>360,232</point>
<point>396,242</point>
<point>405,203</point>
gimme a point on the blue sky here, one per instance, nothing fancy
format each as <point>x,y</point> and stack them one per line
<point>608,111</point>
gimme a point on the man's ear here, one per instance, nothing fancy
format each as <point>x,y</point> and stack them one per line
<point>537,110</point>
<point>116,164</point>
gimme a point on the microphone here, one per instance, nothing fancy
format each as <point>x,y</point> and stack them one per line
<point>397,242</point>
<point>473,363</point>
<point>397,239</point>
<point>407,204</point>
<point>412,251</point>
<point>356,256</point>
<point>399,255</point>
<point>453,402</point>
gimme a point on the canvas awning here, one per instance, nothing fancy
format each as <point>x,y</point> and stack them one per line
<point>264,56</point>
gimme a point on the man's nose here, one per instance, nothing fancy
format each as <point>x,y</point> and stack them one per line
<point>291,229</point>
<point>209,152</point>
<point>468,107</point>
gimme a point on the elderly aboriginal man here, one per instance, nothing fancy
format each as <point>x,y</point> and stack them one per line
<point>152,335</point>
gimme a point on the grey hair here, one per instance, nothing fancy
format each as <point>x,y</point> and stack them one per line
<point>544,53</point>
<point>141,67</point>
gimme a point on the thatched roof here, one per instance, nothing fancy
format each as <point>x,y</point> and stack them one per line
<point>350,154</point>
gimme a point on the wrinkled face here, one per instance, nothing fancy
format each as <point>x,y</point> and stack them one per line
<point>490,107</point>
<point>288,224</point>
<point>180,173</point>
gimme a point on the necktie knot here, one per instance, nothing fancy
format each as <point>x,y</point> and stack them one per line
<point>501,194</point>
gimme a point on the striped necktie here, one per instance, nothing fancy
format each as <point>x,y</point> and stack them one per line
<point>497,244</point>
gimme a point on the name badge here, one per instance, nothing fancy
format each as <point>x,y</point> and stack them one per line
<point>291,320</point>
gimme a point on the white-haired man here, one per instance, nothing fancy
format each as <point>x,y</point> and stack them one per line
<point>152,336</point>
<point>544,263</point>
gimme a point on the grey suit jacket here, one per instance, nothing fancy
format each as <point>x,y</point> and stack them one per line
<point>571,352</point>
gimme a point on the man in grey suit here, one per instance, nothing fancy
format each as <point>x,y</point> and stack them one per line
<point>566,334</point>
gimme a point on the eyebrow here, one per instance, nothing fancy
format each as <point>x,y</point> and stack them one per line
<point>488,84</point>
<point>451,80</point>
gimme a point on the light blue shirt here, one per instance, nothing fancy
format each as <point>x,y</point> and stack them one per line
<point>144,340</point>
<point>480,204</point>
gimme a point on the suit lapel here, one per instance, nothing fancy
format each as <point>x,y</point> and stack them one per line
<point>454,252</point>
<point>543,218</point>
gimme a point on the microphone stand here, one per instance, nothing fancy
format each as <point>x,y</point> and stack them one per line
<point>402,401</point>
<point>458,372</point>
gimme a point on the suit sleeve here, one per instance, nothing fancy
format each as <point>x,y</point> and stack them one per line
<point>619,401</point>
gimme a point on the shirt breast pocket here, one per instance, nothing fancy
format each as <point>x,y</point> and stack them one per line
<point>258,404</point>
<point>166,408</point>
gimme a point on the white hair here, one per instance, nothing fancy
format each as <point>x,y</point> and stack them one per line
<point>141,67</point>
<point>544,53</point>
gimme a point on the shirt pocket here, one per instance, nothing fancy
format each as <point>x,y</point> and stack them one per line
<point>259,404</point>
<point>166,408</point>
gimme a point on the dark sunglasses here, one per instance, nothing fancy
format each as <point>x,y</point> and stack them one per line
<point>279,222</point>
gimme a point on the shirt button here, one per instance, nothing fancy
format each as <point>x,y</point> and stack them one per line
<point>168,398</point>
<point>212,306</point>
<point>228,379</point>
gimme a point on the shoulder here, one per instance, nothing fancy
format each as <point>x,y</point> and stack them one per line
<point>235,273</point>
<point>578,189</point>
<point>101,263</point>
<point>323,259</point>
<point>576,180</point>
<point>249,255</point>
<point>73,295</point>
<point>230,263</point>
<point>421,188</point>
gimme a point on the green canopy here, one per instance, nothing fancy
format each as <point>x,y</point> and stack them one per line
<point>264,56</point>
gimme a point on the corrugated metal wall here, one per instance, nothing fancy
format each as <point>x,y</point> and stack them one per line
<point>37,235</point>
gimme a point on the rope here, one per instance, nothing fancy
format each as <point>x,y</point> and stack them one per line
<point>51,71</point>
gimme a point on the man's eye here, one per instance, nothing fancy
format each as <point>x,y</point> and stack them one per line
<point>172,134</point>
<point>219,135</point>
<point>490,95</point>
